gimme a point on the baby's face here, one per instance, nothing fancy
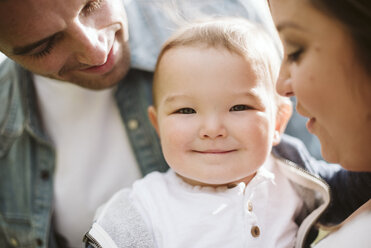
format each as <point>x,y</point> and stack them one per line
<point>214,115</point>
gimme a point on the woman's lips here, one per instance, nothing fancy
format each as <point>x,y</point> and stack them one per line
<point>310,124</point>
<point>104,68</point>
<point>311,120</point>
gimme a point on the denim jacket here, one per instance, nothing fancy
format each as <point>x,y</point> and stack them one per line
<point>27,157</point>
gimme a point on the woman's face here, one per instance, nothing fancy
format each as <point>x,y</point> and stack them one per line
<point>332,88</point>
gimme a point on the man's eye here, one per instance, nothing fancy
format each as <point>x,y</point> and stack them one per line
<point>91,6</point>
<point>44,50</point>
<point>240,107</point>
<point>186,111</point>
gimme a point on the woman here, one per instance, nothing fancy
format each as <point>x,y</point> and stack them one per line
<point>326,66</point>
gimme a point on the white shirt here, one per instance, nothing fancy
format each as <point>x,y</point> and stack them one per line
<point>260,214</point>
<point>94,156</point>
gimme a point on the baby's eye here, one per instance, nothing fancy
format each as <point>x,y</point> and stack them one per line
<point>185,111</point>
<point>239,107</point>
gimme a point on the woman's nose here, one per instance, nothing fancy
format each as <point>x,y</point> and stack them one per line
<point>212,129</point>
<point>284,83</point>
<point>91,45</point>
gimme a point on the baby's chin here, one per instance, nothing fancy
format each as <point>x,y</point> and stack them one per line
<point>210,182</point>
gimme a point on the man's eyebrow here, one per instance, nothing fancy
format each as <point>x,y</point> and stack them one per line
<point>21,50</point>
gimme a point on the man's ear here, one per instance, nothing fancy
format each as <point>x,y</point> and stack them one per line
<point>152,115</point>
<point>282,118</point>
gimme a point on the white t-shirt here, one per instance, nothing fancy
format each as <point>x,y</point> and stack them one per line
<point>94,158</point>
<point>260,214</point>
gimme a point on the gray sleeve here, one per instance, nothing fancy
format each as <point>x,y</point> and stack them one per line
<point>123,223</point>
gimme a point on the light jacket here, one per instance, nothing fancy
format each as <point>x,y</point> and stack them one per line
<point>353,232</point>
<point>120,225</point>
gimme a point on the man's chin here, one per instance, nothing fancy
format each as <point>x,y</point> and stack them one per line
<point>95,82</point>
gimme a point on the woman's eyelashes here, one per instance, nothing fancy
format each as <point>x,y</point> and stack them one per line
<point>295,55</point>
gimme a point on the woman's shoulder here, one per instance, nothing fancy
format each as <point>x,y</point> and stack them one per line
<point>352,232</point>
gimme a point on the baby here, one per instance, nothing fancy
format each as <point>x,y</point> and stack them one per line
<point>218,116</point>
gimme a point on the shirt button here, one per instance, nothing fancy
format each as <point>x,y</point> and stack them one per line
<point>39,242</point>
<point>44,175</point>
<point>249,206</point>
<point>255,231</point>
<point>13,242</point>
<point>133,124</point>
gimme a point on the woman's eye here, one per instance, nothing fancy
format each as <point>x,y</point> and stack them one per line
<point>186,111</point>
<point>240,107</point>
<point>294,56</point>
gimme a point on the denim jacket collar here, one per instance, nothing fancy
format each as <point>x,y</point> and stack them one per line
<point>20,110</point>
<point>12,115</point>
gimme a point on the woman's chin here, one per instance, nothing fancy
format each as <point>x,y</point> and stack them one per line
<point>329,154</point>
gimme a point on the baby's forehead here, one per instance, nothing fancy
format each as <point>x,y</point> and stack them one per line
<point>256,62</point>
<point>173,58</point>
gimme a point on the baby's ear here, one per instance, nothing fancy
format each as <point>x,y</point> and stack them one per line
<point>282,118</point>
<point>152,115</point>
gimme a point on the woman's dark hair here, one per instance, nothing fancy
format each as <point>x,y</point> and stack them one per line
<point>355,15</point>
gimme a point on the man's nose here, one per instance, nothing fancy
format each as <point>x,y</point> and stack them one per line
<point>284,81</point>
<point>212,128</point>
<point>91,46</point>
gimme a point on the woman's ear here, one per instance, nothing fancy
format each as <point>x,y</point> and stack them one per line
<point>152,115</point>
<point>282,118</point>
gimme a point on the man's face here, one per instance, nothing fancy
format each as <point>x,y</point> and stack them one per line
<point>80,41</point>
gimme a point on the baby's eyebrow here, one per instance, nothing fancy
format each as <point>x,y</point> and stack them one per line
<point>251,93</point>
<point>21,50</point>
<point>254,94</point>
<point>174,97</point>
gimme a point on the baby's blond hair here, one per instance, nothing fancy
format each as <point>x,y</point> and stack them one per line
<point>238,36</point>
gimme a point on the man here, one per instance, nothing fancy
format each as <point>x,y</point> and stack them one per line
<point>73,109</point>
